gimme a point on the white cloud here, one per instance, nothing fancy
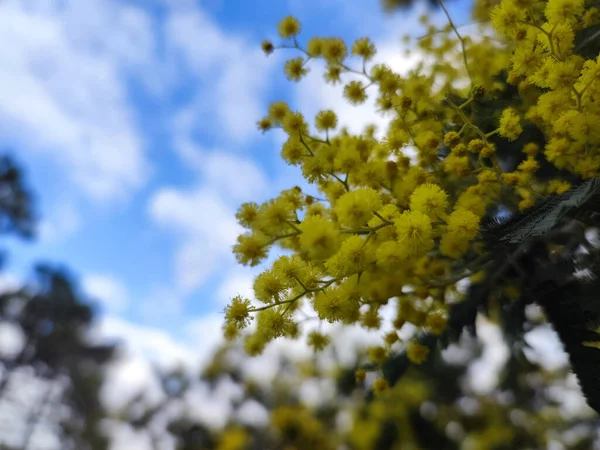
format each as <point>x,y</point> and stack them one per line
<point>195,212</point>
<point>205,334</point>
<point>546,348</point>
<point>109,291</point>
<point>9,282</point>
<point>239,282</point>
<point>125,437</point>
<point>127,378</point>
<point>207,407</point>
<point>236,177</point>
<point>12,340</point>
<point>64,96</point>
<point>61,223</point>
<point>252,413</point>
<point>148,343</point>
<point>233,74</point>
<point>209,228</point>
<point>483,373</point>
<point>163,305</point>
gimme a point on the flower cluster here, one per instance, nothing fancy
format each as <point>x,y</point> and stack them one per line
<point>395,219</point>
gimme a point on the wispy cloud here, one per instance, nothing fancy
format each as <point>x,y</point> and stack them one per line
<point>63,94</point>
<point>207,226</point>
<point>110,292</point>
<point>232,75</point>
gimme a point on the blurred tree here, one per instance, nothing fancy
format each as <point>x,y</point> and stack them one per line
<point>55,364</point>
<point>56,353</point>
<point>16,204</point>
<point>434,406</point>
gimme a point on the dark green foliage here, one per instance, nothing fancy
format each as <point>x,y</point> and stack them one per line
<point>54,317</point>
<point>540,252</point>
<point>395,367</point>
<point>16,202</point>
<point>403,5</point>
<point>580,202</point>
<point>587,42</point>
<point>574,311</point>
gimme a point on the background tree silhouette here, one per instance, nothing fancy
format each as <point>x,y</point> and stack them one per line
<point>56,360</point>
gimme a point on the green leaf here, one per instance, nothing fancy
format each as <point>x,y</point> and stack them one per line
<point>547,214</point>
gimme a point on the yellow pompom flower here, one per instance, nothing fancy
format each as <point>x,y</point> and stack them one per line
<point>254,344</point>
<point>453,245</point>
<point>267,47</point>
<point>293,151</point>
<point>585,128</point>
<point>551,104</point>
<point>451,139</point>
<point>326,120</point>
<point>526,203</point>
<point>318,341</point>
<point>319,238</point>
<point>564,74</point>
<point>271,324</point>
<point>269,287</point>
<point>247,214</point>
<point>463,223</point>
<point>590,17</point>
<point>233,439</point>
<point>288,27</point>
<point>380,385</point>
<point>291,269</point>
<point>294,69</point>
<point>476,145</point>
<point>332,74</point>
<point>590,73</point>
<point>264,124</point>
<point>563,39</point>
<point>334,50</point>
<point>273,215</point>
<point>506,16</point>
<point>558,11</point>
<point>355,208</point>
<point>371,319</point>
<point>530,165</point>
<point>457,165</point>
<point>558,186</point>
<point>354,256</point>
<point>414,233</point>
<point>314,47</point>
<point>294,123</point>
<point>531,149</point>
<point>230,331</point>
<point>355,92</point>
<point>360,375</point>
<point>388,212</point>
<point>238,312</point>
<point>390,254</point>
<point>347,159</point>
<point>510,126</point>
<point>364,48</point>
<point>331,305</point>
<point>377,354</point>
<point>436,322</point>
<point>417,353</point>
<point>391,338</point>
<point>429,199</point>
<point>250,249</point>
<point>278,111</point>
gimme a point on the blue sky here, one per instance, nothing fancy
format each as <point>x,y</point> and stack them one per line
<point>135,122</point>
